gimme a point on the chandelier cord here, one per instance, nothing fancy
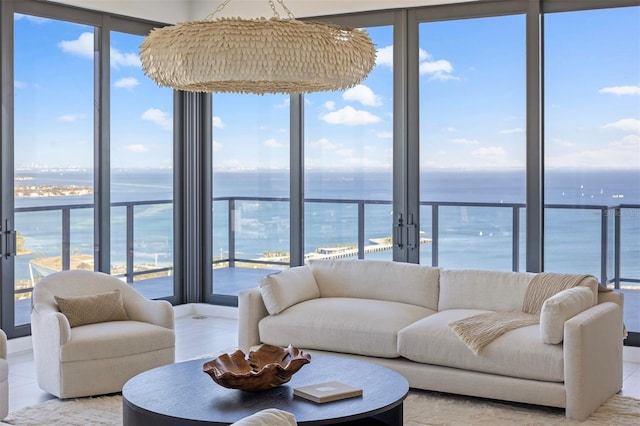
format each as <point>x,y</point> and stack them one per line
<point>271,3</point>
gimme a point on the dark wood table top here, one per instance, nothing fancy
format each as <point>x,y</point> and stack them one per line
<point>183,391</point>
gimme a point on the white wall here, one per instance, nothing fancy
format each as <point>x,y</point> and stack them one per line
<point>172,11</point>
<point>302,8</point>
<point>169,11</point>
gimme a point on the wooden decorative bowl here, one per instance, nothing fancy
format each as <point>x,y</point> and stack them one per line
<point>265,368</point>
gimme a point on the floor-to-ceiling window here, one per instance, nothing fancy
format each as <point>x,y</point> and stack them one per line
<point>348,164</point>
<point>472,141</point>
<point>141,153</point>
<point>53,151</point>
<point>592,148</point>
<point>250,150</point>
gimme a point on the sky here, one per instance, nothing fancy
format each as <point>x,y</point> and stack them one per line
<point>472,101</point>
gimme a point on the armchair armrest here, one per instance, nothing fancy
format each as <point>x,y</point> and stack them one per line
<point>158,312</point>
<point>593,342</point>
<point>52,324</point>
<point>251,309</point>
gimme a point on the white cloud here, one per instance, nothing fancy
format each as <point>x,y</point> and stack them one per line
<point>436,70</point>
<point>119,59</point>
<point>621,90</point>
<point>625,124</point>
<point>464,141</point>
<point>350,116</point>
<point>384,56</point>
<point>563,142</point>
<point>69,118</point>
<point>216,122</point>
<point>385,135</point>
<point>330,105</point>
<point>30,18</point>
<point>159,117</point>
<point>511,131</point>
<point>82,46</point>
<point>325,144</point>
<point>272,143</point>
<point>19,84</point>
<point>623,153</point>
<point>216,146</point>
<point>493,157</point>
<point>137,148</point>
<point>127,83</point>
<point>284,104</point>
<point>362,94</point>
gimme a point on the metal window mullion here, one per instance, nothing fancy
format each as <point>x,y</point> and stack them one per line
<point>617,245</point>
<point>296,181</point>
<point>604,243</point>
<point>130,262</point>
<point>102,150</point>
<point>66,239</point>
<point>535,138</point>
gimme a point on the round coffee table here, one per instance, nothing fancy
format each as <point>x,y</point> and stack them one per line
<point>182,394</point>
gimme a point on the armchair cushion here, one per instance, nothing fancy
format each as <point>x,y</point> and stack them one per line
<point>101,307</point>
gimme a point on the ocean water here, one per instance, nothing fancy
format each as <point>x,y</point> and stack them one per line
<point>469,236</point>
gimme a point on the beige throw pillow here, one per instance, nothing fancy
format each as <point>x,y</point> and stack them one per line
<point>101,307</point>
<point>559,308</point>
<point>286,288</point>
<point>268,417</point>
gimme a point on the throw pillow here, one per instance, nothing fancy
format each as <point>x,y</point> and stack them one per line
<point>286,288</point>
<point>268,417</point>
<point>101,307</point>
<point>559,308</point>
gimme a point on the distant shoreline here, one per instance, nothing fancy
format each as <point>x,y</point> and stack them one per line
<point>33,191</point>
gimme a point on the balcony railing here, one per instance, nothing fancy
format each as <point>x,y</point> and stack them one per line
<point>618,212</point>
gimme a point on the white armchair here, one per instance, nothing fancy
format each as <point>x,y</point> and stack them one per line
<point>4,377</point>
<point>96,358</point>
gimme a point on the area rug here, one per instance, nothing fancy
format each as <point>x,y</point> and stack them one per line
<point>420,409</point>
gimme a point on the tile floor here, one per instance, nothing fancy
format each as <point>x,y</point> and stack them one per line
<point>195,336</point>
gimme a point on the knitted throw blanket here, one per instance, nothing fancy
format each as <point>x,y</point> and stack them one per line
<point>479,330</point>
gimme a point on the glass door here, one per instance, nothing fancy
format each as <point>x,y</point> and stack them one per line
<point>472,142</point>
<point>53,153</point>
<point>348,165</point>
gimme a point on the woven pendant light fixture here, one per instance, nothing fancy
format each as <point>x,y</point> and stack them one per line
<point>233,55</point>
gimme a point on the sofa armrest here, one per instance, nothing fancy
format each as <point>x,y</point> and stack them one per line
<point>251,309</point>
<point>158,312</point>
<point>593,342</point>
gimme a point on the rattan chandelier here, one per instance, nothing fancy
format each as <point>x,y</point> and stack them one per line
<point>233,55</point>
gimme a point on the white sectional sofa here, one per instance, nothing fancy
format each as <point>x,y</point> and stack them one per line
<point>398,315</point>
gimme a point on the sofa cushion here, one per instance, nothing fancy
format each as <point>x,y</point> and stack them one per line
<point>114,339</point>
<point>518,353</point>
<point>288,287</point>
<point>559,308</point>
<point>380,280</point>
<point>94,308</point>
<point>486,290</point>
<point>357,326</point>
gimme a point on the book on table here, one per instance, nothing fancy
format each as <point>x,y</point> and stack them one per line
<point>327,392</point>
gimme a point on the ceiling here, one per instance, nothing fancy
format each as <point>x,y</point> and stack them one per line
<point>172,11</point>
